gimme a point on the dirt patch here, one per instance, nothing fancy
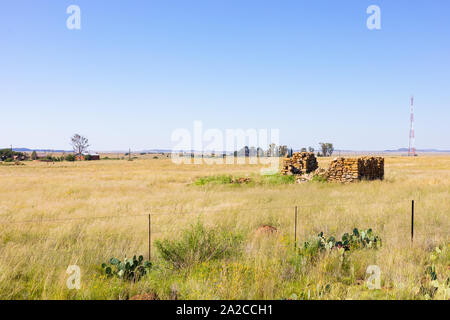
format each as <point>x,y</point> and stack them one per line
<point>266,229</point>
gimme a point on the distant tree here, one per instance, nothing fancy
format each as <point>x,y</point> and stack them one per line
<point>244,152</point>
<point>80,144</point>
<point>272,151</point>
<point>260,152</point>
<point>282,151</point>
<point>327,148</point>
<point>34,155</point>
<point>303,150</point>
<point>310,149</point>
<point>8,155</point>
<point>330,149</point>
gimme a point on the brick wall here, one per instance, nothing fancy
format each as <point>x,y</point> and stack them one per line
<point>351,169</point>
<point>299,163</point>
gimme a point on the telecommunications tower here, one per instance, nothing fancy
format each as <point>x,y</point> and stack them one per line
<point>411,149</point>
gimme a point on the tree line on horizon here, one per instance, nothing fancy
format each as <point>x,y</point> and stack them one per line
<point>80,145</point>
<point>327,150</point>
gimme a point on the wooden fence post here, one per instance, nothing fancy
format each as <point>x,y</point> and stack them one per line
<point>149,237</point>
<point>295,229</point>
<point>412,221</point>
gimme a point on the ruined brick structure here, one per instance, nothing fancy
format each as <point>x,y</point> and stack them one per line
<point>299,163</point>
<point>304,166</point>
<point>351,169</point>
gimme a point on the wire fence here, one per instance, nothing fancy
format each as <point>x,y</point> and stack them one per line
<point>152,227</point>
<point>153,211</point>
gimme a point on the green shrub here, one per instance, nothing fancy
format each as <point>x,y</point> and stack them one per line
<point>54,159</point>
<point>223,179</point>
<point>6,154</point>
<point>198,244</point>
<point>276,179</point>
<point>129,269</point>
<point>318,178</point>
<point>70,157</point>
<point>271,179</point>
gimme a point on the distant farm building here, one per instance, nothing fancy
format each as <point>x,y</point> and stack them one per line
<point>20,157</point>
<point>88,156</point>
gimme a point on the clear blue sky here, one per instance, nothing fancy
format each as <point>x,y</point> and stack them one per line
<point>137,70</point>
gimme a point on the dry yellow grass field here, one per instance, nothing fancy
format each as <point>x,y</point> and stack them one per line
<point>84,213</point>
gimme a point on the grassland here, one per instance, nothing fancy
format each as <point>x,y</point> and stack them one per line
<point>84,213</point>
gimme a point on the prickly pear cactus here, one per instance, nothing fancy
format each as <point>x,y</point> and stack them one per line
<point>128,269</point>
<point>349,241</point>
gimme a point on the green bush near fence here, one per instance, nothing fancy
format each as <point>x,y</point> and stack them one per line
<point>198,244</point>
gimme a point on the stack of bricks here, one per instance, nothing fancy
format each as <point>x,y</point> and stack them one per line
<point>343,170</point>
<point>371,168</point>
<point>352,169</point>
<point>300,163</point>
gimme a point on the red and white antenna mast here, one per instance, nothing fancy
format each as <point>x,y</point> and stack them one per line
<point>411,149</point>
